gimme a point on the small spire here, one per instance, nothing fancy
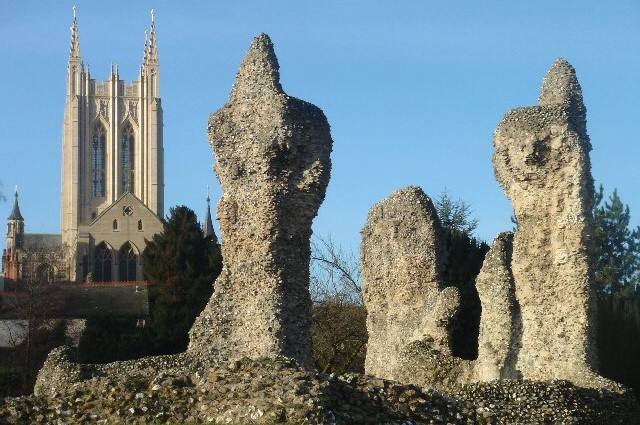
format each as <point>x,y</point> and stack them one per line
<point>75,38</point>
<point>208,223</point>
<point>151,48</point>
<point>15,212</point>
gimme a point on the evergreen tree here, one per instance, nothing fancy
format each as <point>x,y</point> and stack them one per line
<point>464,257</point>
<point>181,265</point>
<point>617,275</point>
<point>455,214</point>
<point>619,336</point>
<point>107,338</point>
<point>617,247</point>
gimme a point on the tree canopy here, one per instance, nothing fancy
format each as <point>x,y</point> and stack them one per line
<point>181,265</point>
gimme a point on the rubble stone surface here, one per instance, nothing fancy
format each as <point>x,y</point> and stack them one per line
<point>402,258</point>
<point>273,161</point>
<point>500,322</point>
<point>277,390</point>
<point>541,159</point>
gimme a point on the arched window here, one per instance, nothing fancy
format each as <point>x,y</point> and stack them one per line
<point>102,263</point>
<point>139,225</point>
<point>127,260</point>
<point>128,158</point>
<point>99,139</point>
<point>115,225</point>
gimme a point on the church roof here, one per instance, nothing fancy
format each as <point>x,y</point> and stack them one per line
<point>42,240</point>
<point>15,212</point>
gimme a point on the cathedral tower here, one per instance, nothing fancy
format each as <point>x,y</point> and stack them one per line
<point>112,147</point>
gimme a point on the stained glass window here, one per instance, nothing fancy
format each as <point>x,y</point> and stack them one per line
<point>99,139</point>
<point>128,158</point>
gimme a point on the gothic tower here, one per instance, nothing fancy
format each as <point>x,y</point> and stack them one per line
<point>15,242</point>
<point>112,144</point>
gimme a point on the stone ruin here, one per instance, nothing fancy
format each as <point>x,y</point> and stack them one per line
<point>249,357</point>
<point>501,323</point>
<point>409,311</point>
<point>273,162</point>
<point>538,304</point>
<point>541,160</point>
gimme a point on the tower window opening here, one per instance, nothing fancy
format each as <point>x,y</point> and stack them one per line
<point>128,158</point>
<point>115,225</point>
<point>99,139</point>
<point>139,225</point>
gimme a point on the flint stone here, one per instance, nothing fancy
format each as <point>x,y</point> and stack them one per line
<point>409,311</point>
<point>273,161</point>
<point>541,160</point>
<point>500,324</point>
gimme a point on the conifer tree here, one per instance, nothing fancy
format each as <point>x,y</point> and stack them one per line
<point>617,275</point>
<point>181,265</point>
<point>464,257</point>
<point>617,247</point>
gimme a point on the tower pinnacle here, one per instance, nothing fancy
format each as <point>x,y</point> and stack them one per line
<point>152,49</point>
<point>75,38</point>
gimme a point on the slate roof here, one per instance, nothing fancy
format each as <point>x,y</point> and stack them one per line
<point>42,240</point>
<point>15,212</point>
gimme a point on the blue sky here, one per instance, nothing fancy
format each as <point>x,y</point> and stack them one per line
<point>413,91</point>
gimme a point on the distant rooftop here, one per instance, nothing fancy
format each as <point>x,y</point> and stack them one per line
<point>42,240</point>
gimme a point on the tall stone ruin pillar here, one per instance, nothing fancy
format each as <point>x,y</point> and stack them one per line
<point>273,161</point>
<point>541,160</point>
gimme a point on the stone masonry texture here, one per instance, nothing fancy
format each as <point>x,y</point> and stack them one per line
<point>500,325</point>
<point>402,258</point>
<point>273,161</point>
<point>541,160</point>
